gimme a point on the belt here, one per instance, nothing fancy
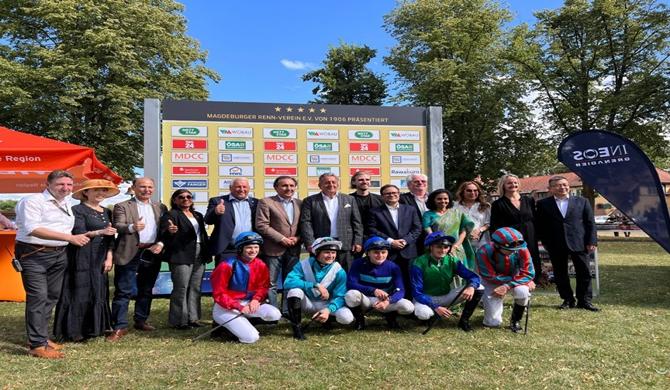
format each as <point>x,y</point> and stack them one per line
<point>41,248</point>
<point>144,246</point>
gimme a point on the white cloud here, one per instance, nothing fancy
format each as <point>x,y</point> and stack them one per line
<point>295,65</point>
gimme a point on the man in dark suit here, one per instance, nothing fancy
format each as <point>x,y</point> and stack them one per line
<point>332,214</point>
<point>277,221</point>
<point>136,256</point>
<point>399,225</point>
<point>417,183</point>
<point>566,227</point>
<point>231,215</point>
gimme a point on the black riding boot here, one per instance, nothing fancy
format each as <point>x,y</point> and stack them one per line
<point>468,310</point>
<point>514,321</point>
<point>359,317</point>
<point>295,316</point>
<point>392,320</point>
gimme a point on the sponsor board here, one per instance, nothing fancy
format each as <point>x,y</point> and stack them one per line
<point>323,146</point>
<point>280,171</point>
<point>404,171</point>
<point>322,134</point>
<point>189,131</point>
<point>364,159</point>
<point>375,183</point>
<point>200,157</point>
<point>404,147</point>
<point>372,171</point>
<point>189,183</point>
<point>180,170</point>
<point>404,135</point>
<point>401,183</point>
<point>280,145</point>
<point>318,171</point>
<point>236,170</point>
<point>364,146</point>
<point>323,158</point>
<point>200,196</point>
<point>312,183</point>
<point>201,208</point>
<point>225,184</point>
<point>363,134</point>
<point>236,158</point>
<point>280,158</point>
<point>268,184</point>
<point>405,159</point>
<point>235,145</point>
<point>279,133</point>
<point>189,144</point>
<point>236,132</point>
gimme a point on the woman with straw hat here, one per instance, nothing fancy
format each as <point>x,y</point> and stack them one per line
<point>83,309</point>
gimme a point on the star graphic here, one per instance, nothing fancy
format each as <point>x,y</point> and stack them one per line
<point>322,110</point>
<point>300,109</point>
<point>278,109</point>
<point>289,109</point>
<point>311,109</point>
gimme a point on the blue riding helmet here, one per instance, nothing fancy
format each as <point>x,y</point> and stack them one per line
<point>376,242</point>
<point>439,238</point>
<point>247,238</point>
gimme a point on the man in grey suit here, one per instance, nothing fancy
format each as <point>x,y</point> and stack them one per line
<point>566,227</point>
<point>332,214</point>
<point>277,221</point>
<point>136,256</point>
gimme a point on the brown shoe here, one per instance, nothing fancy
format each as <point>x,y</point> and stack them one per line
<point>144,326</point>
<point>54,345</point>
<point>116,335</point>
<point>45,352</point>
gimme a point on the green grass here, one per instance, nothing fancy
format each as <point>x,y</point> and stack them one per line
<point>626,345</point>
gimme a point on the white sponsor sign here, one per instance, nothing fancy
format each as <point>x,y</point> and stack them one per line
<point>280,158</point>
<point>235,145</point>
<point>401,183</point>
<point>202,208</point>
<point>318,171</point>
<point>404,171</point>
<point>404,135</point>
<point>200,196</point>
<point>323,146</point>
<point>323,159</point>
<point>236,170</point>
<point>404,159</point>
<point>236,132</point>
<point>363,134</point>
<point>189,131</point>
<point>322,134</point>
<point>365,159</point>
<point>236,158</point>
<point>405,147</point>
<point>268,184</point>
<point>225,184</point>
<point>189,156</point>
<point>273,132</point>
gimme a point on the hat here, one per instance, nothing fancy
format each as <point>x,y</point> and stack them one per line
<point>247,238</point>
<point>508,238</point>
<point>326,243</point>
<point>376,242</point>
<point>96,183</point>
<point>439,238</point>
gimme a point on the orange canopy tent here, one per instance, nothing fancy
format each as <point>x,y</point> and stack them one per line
<point>26,160</point>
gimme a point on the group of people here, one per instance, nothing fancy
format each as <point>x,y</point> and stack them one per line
<point>395,253</point>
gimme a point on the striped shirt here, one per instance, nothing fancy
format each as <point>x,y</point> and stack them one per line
<point>513,270</point>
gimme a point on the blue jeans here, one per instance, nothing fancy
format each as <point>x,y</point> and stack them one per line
<point>142,273</point>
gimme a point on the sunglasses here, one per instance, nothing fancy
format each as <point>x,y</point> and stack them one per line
<point>185,197</point>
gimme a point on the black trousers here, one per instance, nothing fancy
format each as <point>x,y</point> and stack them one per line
<point>42,278</point>
<point>559,261</point>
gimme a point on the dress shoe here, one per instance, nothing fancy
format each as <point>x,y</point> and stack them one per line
<point>194,324</point>
<point>144,326</point>
<point>587,306</point>
<point>567,305</point>
<point>45,352</point>
<point>53,345</point>
<point>182,327</point>
<point>116,335</point>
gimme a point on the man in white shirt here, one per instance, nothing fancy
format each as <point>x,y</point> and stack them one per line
<point>44,224</point>
<point>136,256</point>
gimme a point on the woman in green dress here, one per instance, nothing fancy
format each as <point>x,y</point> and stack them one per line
<point>442,216</point>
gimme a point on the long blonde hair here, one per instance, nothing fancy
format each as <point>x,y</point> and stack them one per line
<point>501,183</point>
<point>481,198</point>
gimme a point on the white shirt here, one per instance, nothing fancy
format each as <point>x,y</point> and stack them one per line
<point>421,202</point>
<point>242,211</point>
<point>150,232</point>
<point>194,222</point>
<point>332,206</point>
<point>43,211</point>
<point>562,204</point>
<point>287,204</point>
<point>479,218</point>
<point>394,213</point>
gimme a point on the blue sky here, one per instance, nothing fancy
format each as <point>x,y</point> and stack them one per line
<point>262,48</point>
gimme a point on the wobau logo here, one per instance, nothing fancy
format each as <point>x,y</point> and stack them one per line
<point>602,155</point>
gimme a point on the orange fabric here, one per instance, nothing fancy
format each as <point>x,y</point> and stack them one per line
<point>26,160</point>
<point>12,286</point>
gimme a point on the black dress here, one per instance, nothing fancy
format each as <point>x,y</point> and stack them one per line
<point>83,309</point>
<point>505,214</point>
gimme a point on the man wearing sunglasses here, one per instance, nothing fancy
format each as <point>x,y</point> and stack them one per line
<point>505,266</point>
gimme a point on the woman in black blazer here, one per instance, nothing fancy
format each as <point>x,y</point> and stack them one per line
<point>182,230</point>
<point>517,211</point>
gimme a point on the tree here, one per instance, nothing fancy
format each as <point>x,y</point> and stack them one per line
<point>78,71</point>
<point>345,78</point>
<point>449,53</point>
<point>601,64</point>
